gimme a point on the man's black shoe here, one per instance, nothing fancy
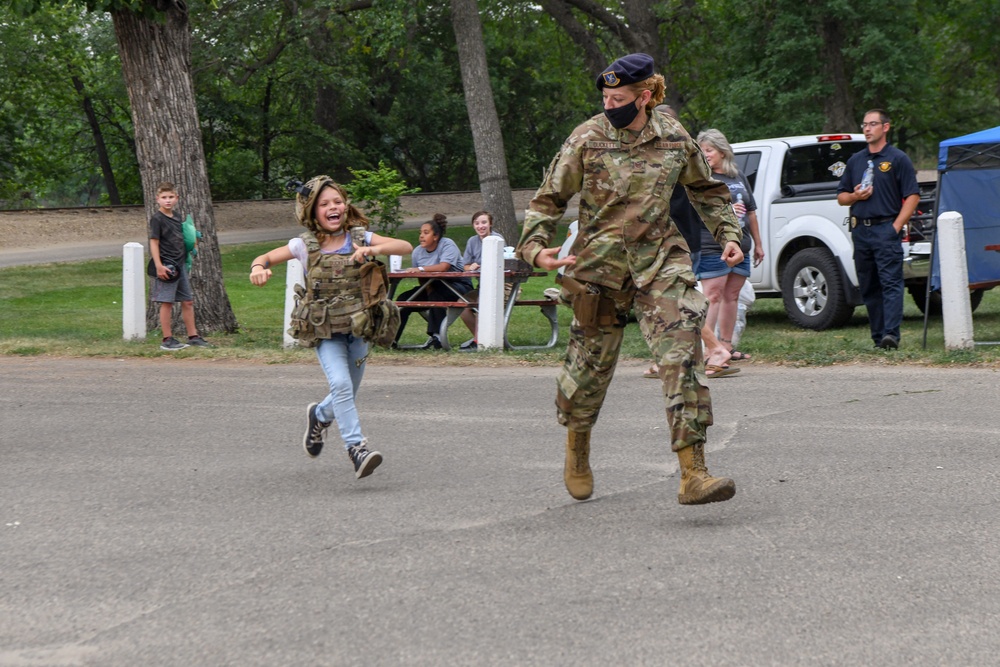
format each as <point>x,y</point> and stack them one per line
<point>889,343</point>
<point>469,345</point>
<point>315,432</point>
<point>432,342</point>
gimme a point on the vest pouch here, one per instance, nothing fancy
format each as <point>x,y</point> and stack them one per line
<point>378,325</point>
<point>386,324</point>
<point>374,283</point>
<point>361,325</point>
<point>299,327</point>
<point>317,313</point>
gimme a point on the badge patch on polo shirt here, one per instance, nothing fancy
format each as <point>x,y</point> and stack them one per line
<point>884,166</point>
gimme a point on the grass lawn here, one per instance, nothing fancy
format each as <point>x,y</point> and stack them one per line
<point>75,309</point>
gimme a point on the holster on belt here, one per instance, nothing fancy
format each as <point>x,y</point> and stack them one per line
<point>591,309</point>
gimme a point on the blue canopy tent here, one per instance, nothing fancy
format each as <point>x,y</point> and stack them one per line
<point>969,183</point>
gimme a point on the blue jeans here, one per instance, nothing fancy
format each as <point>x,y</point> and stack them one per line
<point>339,358</point>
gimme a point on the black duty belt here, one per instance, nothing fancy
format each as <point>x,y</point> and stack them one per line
<point>868,222</point>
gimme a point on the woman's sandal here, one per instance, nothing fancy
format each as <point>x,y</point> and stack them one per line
<point>653,373</point>
<point>739,356</point>
<point>713,371</point>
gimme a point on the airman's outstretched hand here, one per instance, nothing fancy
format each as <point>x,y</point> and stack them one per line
<point>548,259</point>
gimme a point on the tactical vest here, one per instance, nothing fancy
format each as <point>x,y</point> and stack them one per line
<point>332,294</point>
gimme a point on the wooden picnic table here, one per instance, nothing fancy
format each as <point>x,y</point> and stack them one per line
<point>515,276</point>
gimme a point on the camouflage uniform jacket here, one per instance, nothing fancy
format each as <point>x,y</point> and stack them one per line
<point>625,182</point>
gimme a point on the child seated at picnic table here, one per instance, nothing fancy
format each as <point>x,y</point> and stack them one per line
<point>472,260</point>
<point>434,254</point>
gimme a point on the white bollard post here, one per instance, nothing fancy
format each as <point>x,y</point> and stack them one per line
<point>293,277</point>
<point>133,292</point>
<point>490,326</point>
<point>955,305</point>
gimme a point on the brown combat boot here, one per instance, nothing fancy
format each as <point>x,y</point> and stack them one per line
<point>697,486</point>
<point>579,480</point>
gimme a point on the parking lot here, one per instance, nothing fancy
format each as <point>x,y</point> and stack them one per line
<point>162,512</point>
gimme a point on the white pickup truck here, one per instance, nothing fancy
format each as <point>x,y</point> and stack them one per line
<point>808,256</point>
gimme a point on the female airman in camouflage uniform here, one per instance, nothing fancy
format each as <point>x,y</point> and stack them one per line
<point>624,164</point>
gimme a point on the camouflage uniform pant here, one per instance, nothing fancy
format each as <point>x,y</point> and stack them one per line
<point>671,313</point>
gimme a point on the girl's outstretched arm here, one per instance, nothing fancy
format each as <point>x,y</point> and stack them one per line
<point>260,269</point>
<point>386,245</point>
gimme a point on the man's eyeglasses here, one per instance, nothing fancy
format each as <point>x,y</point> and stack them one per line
<point>874,123</point>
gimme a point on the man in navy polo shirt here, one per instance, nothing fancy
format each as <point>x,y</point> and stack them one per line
<point>878,213</point>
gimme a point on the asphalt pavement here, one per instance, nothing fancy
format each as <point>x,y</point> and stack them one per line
<point>163,512</point>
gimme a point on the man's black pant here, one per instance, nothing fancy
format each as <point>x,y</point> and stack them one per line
<point>878,260</point>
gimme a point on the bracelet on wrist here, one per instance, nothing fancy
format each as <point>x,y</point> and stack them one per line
<point>252,266</point>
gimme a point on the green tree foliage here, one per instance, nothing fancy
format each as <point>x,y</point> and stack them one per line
<point>50,65</point>
<point>296,88</point>
<point>784,67</point>
<point>963,65</point>
<point>378,192</point>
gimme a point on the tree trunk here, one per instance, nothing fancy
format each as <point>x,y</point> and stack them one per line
<point>491,161</point>
<point>156,64</point>
<point>838,107</point>
<point>99,145</point>
<point>266,141</point>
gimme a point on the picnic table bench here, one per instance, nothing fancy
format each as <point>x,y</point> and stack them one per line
<point>514,276</point>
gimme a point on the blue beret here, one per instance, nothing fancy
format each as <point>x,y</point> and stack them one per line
<point>633,68</point>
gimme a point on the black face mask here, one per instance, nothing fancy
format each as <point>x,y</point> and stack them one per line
<point>622,116</point>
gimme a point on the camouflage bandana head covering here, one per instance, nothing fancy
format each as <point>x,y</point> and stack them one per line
<point>305,205</point>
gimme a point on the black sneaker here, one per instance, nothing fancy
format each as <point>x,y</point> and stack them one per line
<point>364,461</point>
<point>315,432</point>
<point>889,343</point>
<point>469,345</point>
<point>198,341</point>
<point>433,342</point>
<point>171,344</point>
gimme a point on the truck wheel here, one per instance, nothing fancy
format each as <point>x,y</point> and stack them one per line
<point>918,291</point>
<point>812,290</point>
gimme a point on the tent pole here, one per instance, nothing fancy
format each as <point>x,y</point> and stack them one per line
<point>930,270</point>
